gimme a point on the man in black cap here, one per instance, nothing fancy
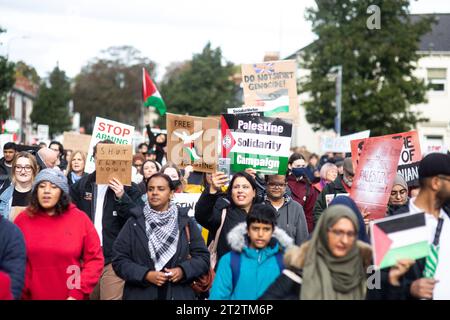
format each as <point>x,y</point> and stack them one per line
<point>423,282</point>
<point>342,184</point>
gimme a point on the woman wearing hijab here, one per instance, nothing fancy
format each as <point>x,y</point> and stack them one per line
<point>152,252</point>
<point>348,202</point>
<point>399,195</point>
<point>333,264</point>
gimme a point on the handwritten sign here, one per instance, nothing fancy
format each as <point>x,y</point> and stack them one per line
<point>410,156</point>
<point>375,175</point>
<point>273,86</point>
<point>193,141</point>
<point>105,129</point>
<point>113,161</point>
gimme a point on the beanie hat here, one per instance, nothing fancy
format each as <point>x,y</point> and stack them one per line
<point>54,176</point>
<point>434,164</point>
<point>399,180</point>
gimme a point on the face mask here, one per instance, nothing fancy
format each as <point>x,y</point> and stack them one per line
<point>302,173</point>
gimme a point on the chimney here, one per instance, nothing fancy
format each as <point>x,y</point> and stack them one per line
<point>271,56</point>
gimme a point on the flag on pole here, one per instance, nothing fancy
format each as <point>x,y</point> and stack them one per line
<point>151,95</point>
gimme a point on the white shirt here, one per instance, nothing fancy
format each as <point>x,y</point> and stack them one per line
<point>100,200</point>
<point>442,288</point>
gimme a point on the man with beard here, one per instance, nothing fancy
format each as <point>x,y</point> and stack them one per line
<point>429,277</point>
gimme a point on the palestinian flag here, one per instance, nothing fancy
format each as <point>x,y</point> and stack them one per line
<point>151,95</point>
<point>403,236</point>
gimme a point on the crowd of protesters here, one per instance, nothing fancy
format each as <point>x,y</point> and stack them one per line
<point>63,236</point>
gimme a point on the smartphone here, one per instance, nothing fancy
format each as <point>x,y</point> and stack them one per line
<point>223,165</point>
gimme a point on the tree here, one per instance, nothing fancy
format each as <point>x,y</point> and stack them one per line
<point>52,103</point>
<point>29,72</point>
<point>110,86</point>
<point>6,83</point>
<point>200,87</point>
<point>378,86</point>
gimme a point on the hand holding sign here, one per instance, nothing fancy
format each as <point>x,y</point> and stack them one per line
<point>116,186</point>
<point>219,179</point>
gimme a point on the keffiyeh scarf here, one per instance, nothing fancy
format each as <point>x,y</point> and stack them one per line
<point>162,231</point>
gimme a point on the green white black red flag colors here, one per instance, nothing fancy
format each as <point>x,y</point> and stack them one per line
<point>260,143</point>
<point>150,94</point>
<point>403,236</point>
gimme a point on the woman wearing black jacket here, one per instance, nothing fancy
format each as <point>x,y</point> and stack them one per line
<point>152,253</point>
<point>242,194</point>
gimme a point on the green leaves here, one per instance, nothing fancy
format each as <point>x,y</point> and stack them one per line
<point>378,85</point>
<point>202,86</point>
<point>52,104</point>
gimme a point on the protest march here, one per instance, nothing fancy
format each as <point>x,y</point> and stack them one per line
<point>234,189</point>
<point>232,201</point>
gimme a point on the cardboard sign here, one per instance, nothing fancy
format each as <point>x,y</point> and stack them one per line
<point>273,86</point>
<point>104,129</point>
<point>410,156</point>
<point>260,143</point>
<point>114,161</point>
<point>341,144</point>
<point>76,141</point>
<point>375,175</point>
<point>192,141</point>
<point>187,200</point>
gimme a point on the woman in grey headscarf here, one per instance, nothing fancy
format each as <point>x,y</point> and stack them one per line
<point>399,195</point>
<point>333,264</point>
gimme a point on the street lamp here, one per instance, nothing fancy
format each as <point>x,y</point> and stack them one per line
<point>336,72</point>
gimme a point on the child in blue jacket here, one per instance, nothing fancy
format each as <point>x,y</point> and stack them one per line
<point>256,259</point>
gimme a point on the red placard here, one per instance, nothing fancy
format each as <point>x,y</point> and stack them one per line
<point>375,174</point>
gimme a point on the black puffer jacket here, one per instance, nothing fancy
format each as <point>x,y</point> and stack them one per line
<point>132,259</point>
<point>84,195</point>
<point>208,213</point>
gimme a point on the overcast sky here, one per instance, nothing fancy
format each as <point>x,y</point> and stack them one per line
<point>42,32</point>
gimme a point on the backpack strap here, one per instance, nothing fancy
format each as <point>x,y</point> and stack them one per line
<point>279,257</point>
<point>235,264</point>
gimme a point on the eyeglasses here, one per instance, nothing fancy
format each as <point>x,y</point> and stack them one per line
<point>400,192</point>
<point>276,185</point>
<point>20,168</point>
<point>340,233</point>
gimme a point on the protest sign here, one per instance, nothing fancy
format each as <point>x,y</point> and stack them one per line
<point>403,236</point>
<point>375,175</point>
<point>192,141</point>
<point>114,161</point>
<point>341,144</point>
<point>272,85</point>
<point>255,110</point>
<point>105,129</point>
<point>187,200</point>
<point>260,143</point>
<point>76,141</point>
<point>410,156</point>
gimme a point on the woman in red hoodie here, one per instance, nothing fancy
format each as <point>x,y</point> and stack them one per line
<point>64,256</point>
